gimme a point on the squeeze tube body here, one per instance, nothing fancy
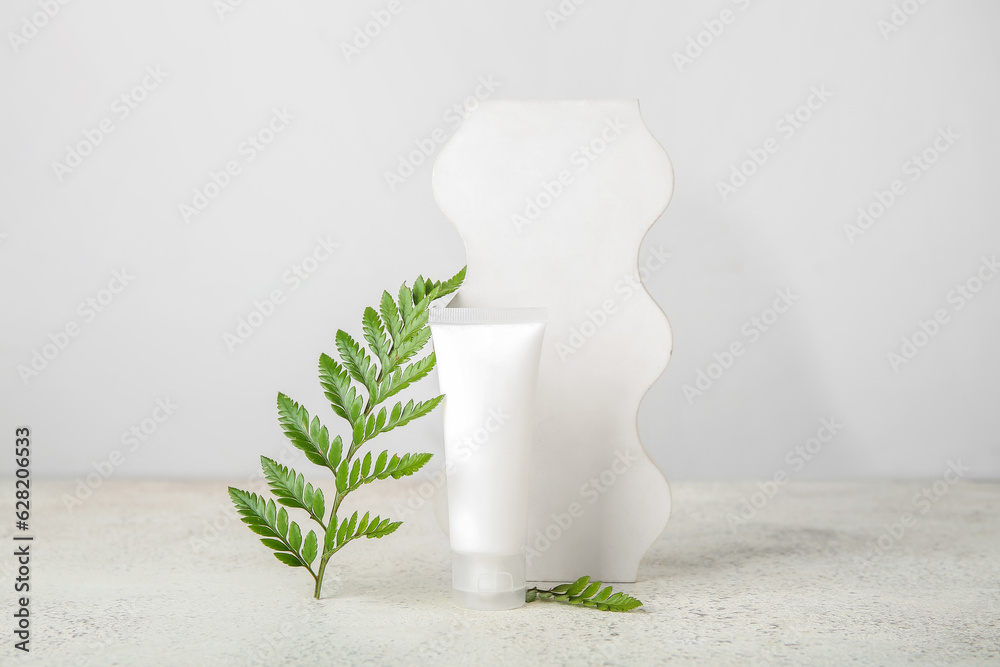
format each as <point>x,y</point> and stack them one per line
<point>487,361</point>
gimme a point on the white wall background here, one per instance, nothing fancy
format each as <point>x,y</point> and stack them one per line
<point>323,176</point>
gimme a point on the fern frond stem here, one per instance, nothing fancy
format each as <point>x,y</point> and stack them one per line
<point>319,577</point>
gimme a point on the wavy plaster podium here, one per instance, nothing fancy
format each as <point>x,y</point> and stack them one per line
<point>552,200</point>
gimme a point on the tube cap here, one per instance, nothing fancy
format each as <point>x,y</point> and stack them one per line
<point>488,581</point>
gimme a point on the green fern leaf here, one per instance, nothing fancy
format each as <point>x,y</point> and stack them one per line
<point>291,489</point>
<point>419,289</point>
<point>330,537</point>
<point>289,559</point>
<point>405,304</point>
<point>417,320</point>
<point>310,436</point>
<point>380,463</point>
<point>357,363</point>
<point>383,423</point>
<point>346,530</point>
<point>282,521</point>
<point>445,288</point>
<point>390,317</point>
<point>342,479</point>
<point>405,465</point>
<point>583,592</point>
<point>383,528</point>
<point>410,412</point>
<point>577,587</point>
<point>355,474</point>
<point>408,348</point>
<point>277,545</point>
<point>294,534</point>
<point>394,334</point>
<point>309,547</point>
<point>396,467</point>
<point>376,336</point>
<point>318,505</point>
<point>337,388</point>
<point>400,379</point>
<point>278,532</point>
<point>603,595</point>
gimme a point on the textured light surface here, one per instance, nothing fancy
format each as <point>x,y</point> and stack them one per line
<point>137,576</point>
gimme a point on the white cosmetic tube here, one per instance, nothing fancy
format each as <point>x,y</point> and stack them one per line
<point>487,361</point>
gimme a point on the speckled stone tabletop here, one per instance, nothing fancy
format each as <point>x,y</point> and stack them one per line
<point>820,573</point>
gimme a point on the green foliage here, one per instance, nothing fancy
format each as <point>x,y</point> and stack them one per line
<point>356,384</point>
<point>363,473</point>
<point>309,436</point>
<point>587,593</point>
<point>292,490</point>
<point>278,532</point>
<point>374,528</point>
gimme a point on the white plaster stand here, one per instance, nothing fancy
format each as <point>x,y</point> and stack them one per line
<point>552,200</point>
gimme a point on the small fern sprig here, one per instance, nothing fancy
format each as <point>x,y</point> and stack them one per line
<point>587,593</point>
<point>356,384</point>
